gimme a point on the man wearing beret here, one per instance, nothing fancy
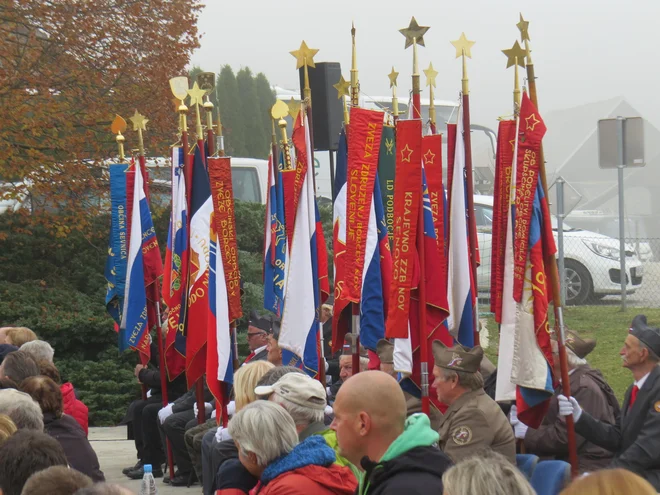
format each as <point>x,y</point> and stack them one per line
<point>550,439</point>
<point>473,420</point>
<point>385,350</point>
<point>259,329</point>
<point>634,437</point>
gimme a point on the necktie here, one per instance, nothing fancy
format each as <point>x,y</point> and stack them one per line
<point>249,358</point>
<point>633,395</point>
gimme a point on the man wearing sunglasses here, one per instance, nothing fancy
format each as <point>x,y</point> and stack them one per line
<point>259,329</point>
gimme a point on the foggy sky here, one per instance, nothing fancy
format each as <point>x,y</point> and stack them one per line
<point>583,50</point>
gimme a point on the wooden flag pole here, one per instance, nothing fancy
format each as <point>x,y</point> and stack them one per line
<point>551,266</point>
<point>463,47</point>
<point>415,36</point>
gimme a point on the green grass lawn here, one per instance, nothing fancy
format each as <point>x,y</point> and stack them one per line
<point>608,326</point>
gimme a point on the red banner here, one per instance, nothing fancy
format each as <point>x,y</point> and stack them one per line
<point>293,179</point>
<point>407,199</point>
<point>506,137</point>
<point>531,132</point>
<point>224,221</point>
<point>363,148</point>
<point>432,156</point>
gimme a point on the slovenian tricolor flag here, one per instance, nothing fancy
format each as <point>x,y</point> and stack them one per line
<point>276,245</point>
<point>460,295</point>
<point>300,324</point>
<point>134,317</point>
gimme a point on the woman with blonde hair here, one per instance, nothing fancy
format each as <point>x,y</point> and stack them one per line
<point>7,428</point>
<point>610,482</point>
<point>245,381</point>
<point>19,335</point>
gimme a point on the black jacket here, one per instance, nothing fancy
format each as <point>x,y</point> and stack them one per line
<point>79,453</point>
<point>416,472</point>
<point>188,400</point>
<point>634,436</point>
<point>151,378</point>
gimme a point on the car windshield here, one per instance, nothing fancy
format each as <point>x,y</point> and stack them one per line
<point>245,184</point>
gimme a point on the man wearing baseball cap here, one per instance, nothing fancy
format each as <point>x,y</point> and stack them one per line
<point>634,436</point>
<point>305,400</point>
<point>473,420</point>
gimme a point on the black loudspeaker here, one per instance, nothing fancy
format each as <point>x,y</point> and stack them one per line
<point>327,109</point>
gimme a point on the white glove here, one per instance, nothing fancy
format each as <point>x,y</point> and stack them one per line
<point>513,416</point>
<point>213,413</point>
<point>520,430</point>
<point>208,407</point>
<point>165,412</point>
<point>149,394</point>
<point>569,406</point>
<point>222,434</point>
<point>328,410</point>
<point>231,408</point>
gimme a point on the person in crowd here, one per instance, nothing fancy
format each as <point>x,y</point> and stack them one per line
<point>485,473</point>
<point>3,334</point>
<point>397,455</point>
<point>25,453</point>
<point>259,328</point>
<point>385,351</point>
<point>592,391</point>
<point>62,427</point>
<point>634,436</point>
<point>7,428</point>
<point>19,335</point>
<point>40,350</point>
<point>56,480</point>
<point>72,405</point>
<point>104,489</point>
<point>305,400</point>
<point>6,349</point>
<point>22,409</point>
<point>610,482</point>
<point>18,366</point>
<point>142,415</point>
<point>217,445</point>
<point>346,365</point>
<point>7,383</point>
<point>269,449</point>
<point>473,420</point>
<point>274,350</point>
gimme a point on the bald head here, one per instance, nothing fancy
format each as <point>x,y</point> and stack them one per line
<point>370,413</point>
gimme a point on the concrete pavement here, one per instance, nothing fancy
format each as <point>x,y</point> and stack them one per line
<point>115,453</point>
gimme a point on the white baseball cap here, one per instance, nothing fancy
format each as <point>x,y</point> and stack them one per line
<point>298,389</point>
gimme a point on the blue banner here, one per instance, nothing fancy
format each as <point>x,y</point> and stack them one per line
<point>116,263</point>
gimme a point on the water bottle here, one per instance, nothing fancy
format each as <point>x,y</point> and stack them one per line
<point>148,482</point>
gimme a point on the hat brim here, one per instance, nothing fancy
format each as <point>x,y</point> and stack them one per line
<point>264,390</point>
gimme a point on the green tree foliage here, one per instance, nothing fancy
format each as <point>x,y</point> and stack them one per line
<point>230,112</point>
<point>254,132</point>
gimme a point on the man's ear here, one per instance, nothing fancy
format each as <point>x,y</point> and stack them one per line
<point>364,424</point>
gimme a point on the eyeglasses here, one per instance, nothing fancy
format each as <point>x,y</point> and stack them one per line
<point>249,335</point>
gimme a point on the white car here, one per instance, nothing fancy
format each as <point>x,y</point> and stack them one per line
<point>591,260</point>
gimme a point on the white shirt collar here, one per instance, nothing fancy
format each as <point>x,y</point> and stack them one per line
<point>642,380</point>
<point>262,348</point>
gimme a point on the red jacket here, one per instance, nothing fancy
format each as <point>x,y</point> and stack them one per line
<point>75,408</point>
<point>311,480</point>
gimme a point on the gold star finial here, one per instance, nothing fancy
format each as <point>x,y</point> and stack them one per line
<point>414,33</point>
<point>431,74</point>
<point>523,26</point>
<point>513,52</point>
<point>294,108</point>
<point>342,87</point>
<point>393,75</point>
<point>139,121</point>
<point>196,95</point>
<point>304,55</point>
<point>463,46</point>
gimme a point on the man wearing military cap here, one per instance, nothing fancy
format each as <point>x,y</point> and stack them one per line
<point>385,350</point>
<point>550,439</point>
<point>473,420</point>
<point>259,330</point>
<point>634,436</point>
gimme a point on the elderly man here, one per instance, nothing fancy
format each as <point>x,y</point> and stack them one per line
<point>592,391</point>
<point>259,328</point>
<point>397,455</point>
<point>346,365</point>
<point>473,420</point>
<point>634,436</point>
<point>22,409</point>
<point>269,449</point>
<point>18,366</point>
<point>385,350</point>
<point>40,350</point>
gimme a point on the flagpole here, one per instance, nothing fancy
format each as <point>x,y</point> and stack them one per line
<point>163,378</point>
<point>551,265</point>
<point>395,99</point>
<point>464,46</point>
<point>414,36</point>
<point>431,74</point>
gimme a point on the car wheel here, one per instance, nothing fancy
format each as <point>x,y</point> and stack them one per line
<point>577,282</point>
